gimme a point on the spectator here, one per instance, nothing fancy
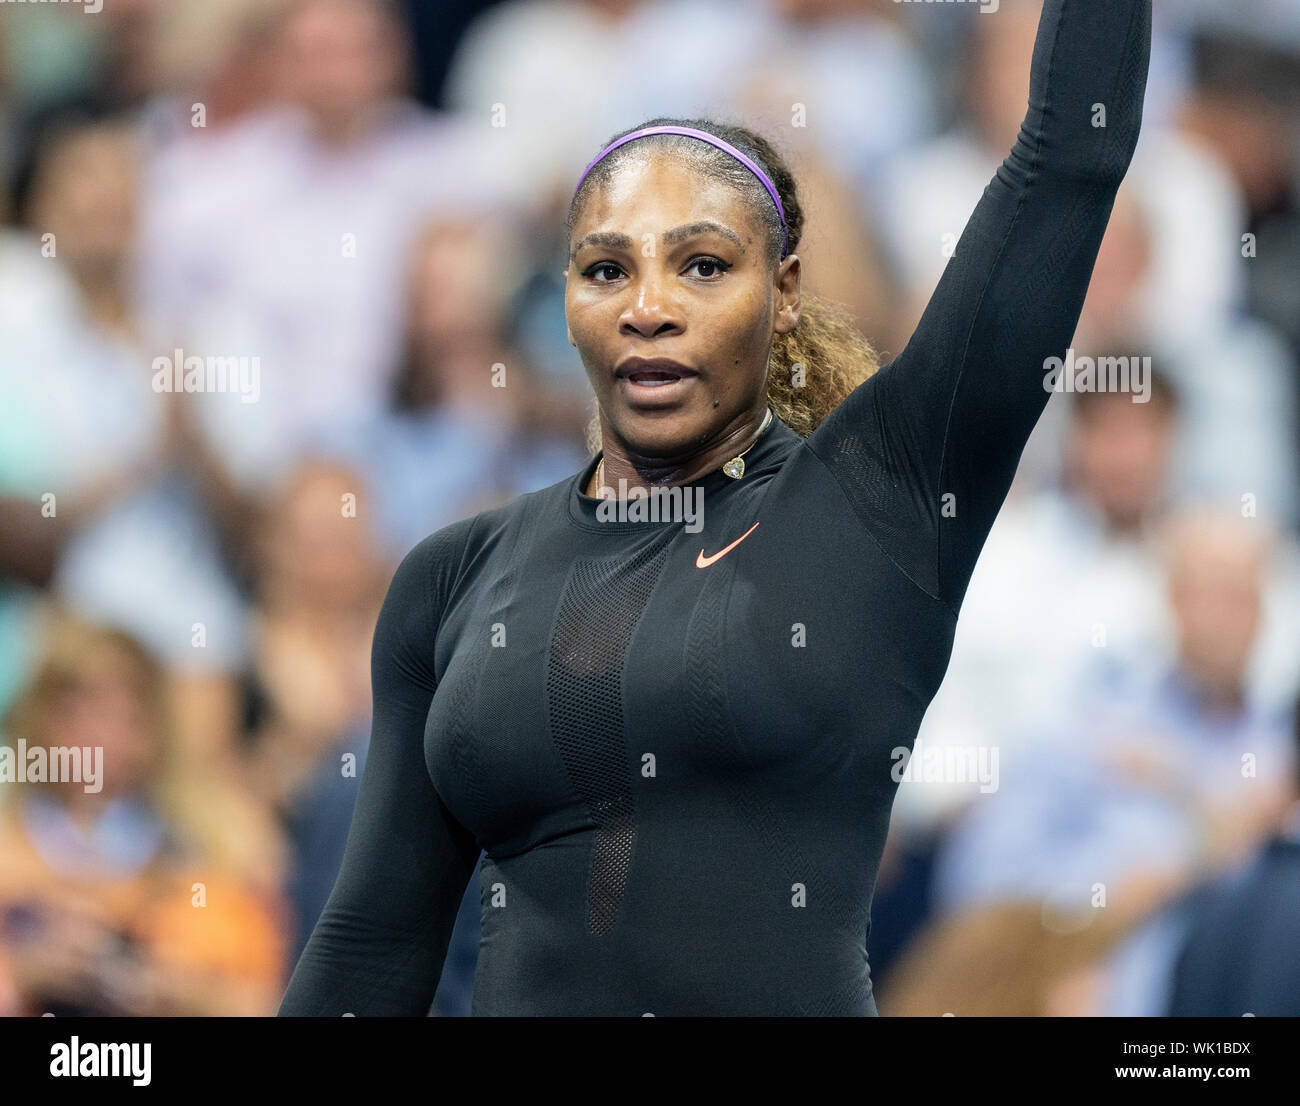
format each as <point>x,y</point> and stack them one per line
<point>1069,578</point>
<point>306,692</point>
<point>1189,766</point>
<point>115,899</point>
<point>285,235</point>
<point>1242,952</point>
<point>472,424</point>
<point>89,445</point>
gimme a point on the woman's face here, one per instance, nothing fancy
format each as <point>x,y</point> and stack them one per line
<point>109,710</point>
<point>94,223</point>
<point>669,263</point>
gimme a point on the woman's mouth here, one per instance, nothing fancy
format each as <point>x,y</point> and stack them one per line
<point>653,378</point>
<point>653,383</point>
<point>651,389</point>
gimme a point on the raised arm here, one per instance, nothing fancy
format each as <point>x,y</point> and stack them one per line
<point>379,945</point>
<point>927,448</point>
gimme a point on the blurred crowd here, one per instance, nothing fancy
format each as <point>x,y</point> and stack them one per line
<point>344,221</point>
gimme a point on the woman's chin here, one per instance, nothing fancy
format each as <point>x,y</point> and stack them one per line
<point>669,433</point>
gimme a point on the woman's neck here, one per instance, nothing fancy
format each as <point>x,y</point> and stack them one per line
<point>648,474</point>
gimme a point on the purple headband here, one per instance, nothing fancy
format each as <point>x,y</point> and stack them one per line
<point>713,140</point>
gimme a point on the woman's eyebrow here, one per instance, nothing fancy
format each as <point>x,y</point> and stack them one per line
<point>610,239</point>
<point>615,240</point>
<point>705,226</point>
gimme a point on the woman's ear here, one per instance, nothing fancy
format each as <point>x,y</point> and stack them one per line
<point>788,295</point>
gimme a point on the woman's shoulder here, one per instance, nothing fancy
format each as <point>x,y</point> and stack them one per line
<point>442,555</point>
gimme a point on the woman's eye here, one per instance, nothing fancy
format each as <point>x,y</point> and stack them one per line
<point>600,267</point>
<point>712,263</point>
<point>709,269</point>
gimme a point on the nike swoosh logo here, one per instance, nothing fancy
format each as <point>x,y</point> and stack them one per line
<point>703,562</point>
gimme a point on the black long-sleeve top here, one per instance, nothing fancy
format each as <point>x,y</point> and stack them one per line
<point>682,776</point>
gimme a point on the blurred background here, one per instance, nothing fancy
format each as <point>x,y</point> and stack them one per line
<point>365,200</point>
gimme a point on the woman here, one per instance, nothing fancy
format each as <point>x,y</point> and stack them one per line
<point>105,866</point>
<point>678,741</point>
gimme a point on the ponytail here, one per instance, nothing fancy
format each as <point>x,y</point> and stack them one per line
<point>816,365</point>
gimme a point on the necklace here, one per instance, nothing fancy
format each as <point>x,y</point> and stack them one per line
<point>735,468</point>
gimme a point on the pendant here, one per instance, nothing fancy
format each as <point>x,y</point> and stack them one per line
<point>735,468</point>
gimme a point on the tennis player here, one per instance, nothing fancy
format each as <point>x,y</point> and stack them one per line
<point>676,738</point>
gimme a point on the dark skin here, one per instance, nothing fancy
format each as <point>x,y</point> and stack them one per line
<point>706,296</point>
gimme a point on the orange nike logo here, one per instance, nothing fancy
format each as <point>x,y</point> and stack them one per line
<point>703,562</point>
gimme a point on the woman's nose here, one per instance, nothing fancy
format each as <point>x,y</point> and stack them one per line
<point>650,308</point>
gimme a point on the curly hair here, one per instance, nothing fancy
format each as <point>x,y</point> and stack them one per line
<point>817,364</point>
